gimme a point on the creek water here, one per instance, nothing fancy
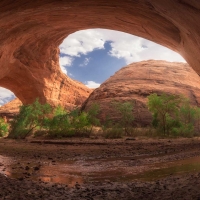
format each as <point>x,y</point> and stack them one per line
<point>82,171</point>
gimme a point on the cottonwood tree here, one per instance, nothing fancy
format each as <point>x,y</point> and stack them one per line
<point>165,109</point>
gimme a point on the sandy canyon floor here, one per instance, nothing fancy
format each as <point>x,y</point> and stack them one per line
<point>100,169</point>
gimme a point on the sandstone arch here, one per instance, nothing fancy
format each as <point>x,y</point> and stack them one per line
<point>30,32</point>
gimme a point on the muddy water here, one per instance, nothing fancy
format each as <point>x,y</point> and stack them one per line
<point>172,168</point>
<point>82,171</point>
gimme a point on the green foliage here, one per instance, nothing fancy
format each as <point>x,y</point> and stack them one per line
<point>80,123</point>
<point>183,130</point>
<point>164,109</point>
<point>3,127</point>
<point>187,113</point>
<point>74,123</point>
<point>187,116</point>
<point>197,120</point>
<point>59,110</point>
<point>93,111</point>
<point>91,118</point>
<point>107,123</point>
<point>59,124</point>
<point>125,111</point>
<point>29,118</point>
<point>173,115</point>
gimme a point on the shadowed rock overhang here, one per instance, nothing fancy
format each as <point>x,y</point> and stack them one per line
<point>31,31</point>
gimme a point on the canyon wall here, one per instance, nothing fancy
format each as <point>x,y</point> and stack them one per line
<point>31,31</point>
<point>138,80</point>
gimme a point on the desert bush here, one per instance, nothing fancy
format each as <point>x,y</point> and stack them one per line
<point>74,123</point>
<point>113,133</point>
<point>30,117</point>
<point>3,127</point>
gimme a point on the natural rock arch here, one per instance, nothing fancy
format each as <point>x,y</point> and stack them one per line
<point>31,31</point>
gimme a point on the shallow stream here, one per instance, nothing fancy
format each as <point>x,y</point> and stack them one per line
<point>114,169</point>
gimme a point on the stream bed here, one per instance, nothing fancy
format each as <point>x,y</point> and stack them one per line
<point>71,172</point>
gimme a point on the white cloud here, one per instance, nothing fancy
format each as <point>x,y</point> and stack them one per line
<point>124,45</point>
<point>82,42</point>
<point>64,62</point>
<point>85,62</point>
<point>5,93</point>
<point>92,84</point>
<point>5,96</point>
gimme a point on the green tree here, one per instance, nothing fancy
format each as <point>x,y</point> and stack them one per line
<point>29,118</point>
<point>125,111</point>
<point>92,114</point>
<point>188,113</point>
<point>187,117</point>
<point>93,111</point>
<point>165,109</point>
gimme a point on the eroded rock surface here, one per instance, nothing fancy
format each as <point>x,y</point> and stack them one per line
<point>31,31</point>
<point>67,93</point>
<point>138,80</point>
<point>10,109</point>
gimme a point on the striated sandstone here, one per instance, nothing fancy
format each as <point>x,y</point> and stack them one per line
<point>31,31</point>
<point>138,80</point>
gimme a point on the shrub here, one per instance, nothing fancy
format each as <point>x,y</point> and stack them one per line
<point>74,123</point>
<point>30,117</point>
<point>113,133</point>
<point>3,127</point>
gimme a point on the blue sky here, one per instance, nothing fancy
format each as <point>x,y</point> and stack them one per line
<point>92,56</point>
<point>96,66</point>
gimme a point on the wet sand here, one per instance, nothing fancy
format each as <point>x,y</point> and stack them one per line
<point>105,169</point>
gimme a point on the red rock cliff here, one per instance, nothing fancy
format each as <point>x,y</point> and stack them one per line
<point>31,31</point>
<point>138,80</point>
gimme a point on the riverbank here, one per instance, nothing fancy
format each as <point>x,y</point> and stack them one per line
<point>100,169</point>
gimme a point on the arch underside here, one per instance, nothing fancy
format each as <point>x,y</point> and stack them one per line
<point>31,31</point>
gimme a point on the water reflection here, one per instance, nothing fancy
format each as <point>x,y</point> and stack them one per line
<point>65,173</point>
<point>83,171</point>
<point>172,168</point>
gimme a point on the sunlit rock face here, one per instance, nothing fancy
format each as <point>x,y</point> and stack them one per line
<point>138,80</point>
<point>10,109</point>
<point>31,31</point>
